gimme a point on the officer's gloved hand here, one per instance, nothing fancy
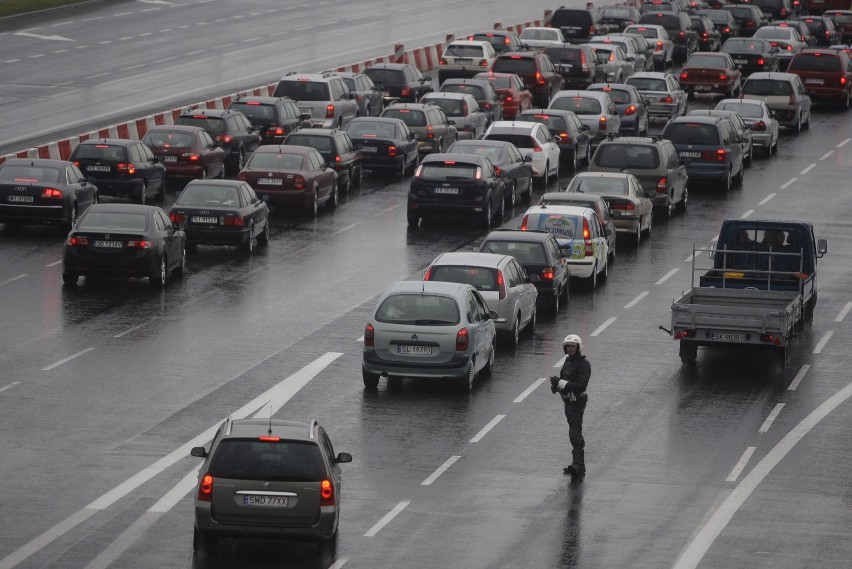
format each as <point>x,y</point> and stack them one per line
<point>554,383</point>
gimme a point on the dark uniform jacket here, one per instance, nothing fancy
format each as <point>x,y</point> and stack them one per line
<point>576,371</point>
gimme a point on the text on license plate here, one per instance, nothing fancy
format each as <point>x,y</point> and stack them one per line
<point>690,154</point>
<point>270,181</point>
<point>369,149</point>
<point>727,337</point>
<point>414,350</point>
<point>109,244</point>
<point>202,219</point>
<point>741,61</point>
<point>815,81</point>
<point>265,501</point>
<point>97,168</point>
<point>20,199</point>
<point>168,158</point>
<point>446,190</point>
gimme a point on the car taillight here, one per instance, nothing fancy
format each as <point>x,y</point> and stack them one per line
<point>405,92</point>
<point>662,185</point>
<point>723,77</point>
<point>592,30</point>
<point>602,123</point>
<point>483,63</point>
<point>430,132</point>
<point>191,156</point>
<point>462,340</point>
<point>681,34</point>
<point>75,241</point>
<point>749,23</point>
<point>205,489</point>
<point>326,493</point>
<point>506,41</point>
<point>299,183</point>
<point>626,206</point>
<point>498,171</point>
<point>565,137</point>
<point>329,111</point>
<point>547,273</point>
<point>726,30</point>
<point>140,244</point>
<point>759,125</point>
<point>630,110</point>
<point>234,221</point>
<point>843,80</point>
<point>391,150</point>
<point>666,99</point>
<point>226,138</point>
<point>369,336</point>
<point>501,284</point>
<point>789,47</point>
<point>52,193</point>
<point>177,217</point>
<point>524,223</point>
<point>719,155</point>
<point>464,108</point>
<point>129,169</point>
<point>77,163</point>
<point>783,12</point>
<point>276,131</point>
<point>587,238</point>
<point>443,61</point>
<point>761,61</point>
<point>684,75</point>
<point>659,45</point>
<point>508,98</point>
<point>539,78</point>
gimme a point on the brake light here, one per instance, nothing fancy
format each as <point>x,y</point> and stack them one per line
<point>75,241</point>
<point>483,63</point>
<point>539,78</point>
<point>547,273</point>
<point>443,61</point>
<point>827,34</point>
<point>370,335</point>
<point>759,125</point>
<point>462,340</point>
<point>253,103</point>
<point>602,123</point>
<point>587,238</point>
<point>226,138</point>
<point>524,223</point>
<point>508,98</point>
<point>418,171</point>
<point>234,221</point>
<point>630,110</point>
<point>128,169</point>
<point>276,131</point>
<point>141,244</point>
<point>719,155</point>
<point>514,57</point>
<point>612,56</point>
<point>681,34</point>
<point>723,77</point>
<point>326,493</point>
<point>659,45</point>
<point>329,111</point>
<point>405,92</point>
<point>391,150</point>
<point>843,80</point>
<point>498,171</point>
<point>192,157</point>
<point>704,35</point>
<point>564,137</point>
<point>52,193</point>
<point>789,47</point>
<point>761,61</point>
<point>430,134</point>
<point>662,185</point>
<point>269,439</point>
<point>727,30</point>
<point>177,217</point>
<point>77,163</point>
<point>501,284</point>
<point>667,99</point>
<point>506,40</point>
<point>299,183</point>
<point>684,75</point>
<point>783,13</point>
<point>337,159</point>
<point>205,489</point>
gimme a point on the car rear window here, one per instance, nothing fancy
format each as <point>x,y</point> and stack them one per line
<point>600,186</point>
<point>108,152</point>
<point>738,11</point>
<point>275,161</point>
<point>112,221</point>
<point>552,122</point>
<point>648,84</point>
<point>474,90</point>
<point>668,21</point>
<point>644,32</point>
<point>371,129</point>
<point>493,153</point>
<point>482,278</point>
<point>767,88</point>
<point>692,133</point>
<point>578,105</point>
<point>386,76</point>
<point>618,96</point>
<point>519,66</point>
<point>746,110</point>
<point>842,18</point>
<point>302,90</point>
<point>563,226</point>
<point>743,46</point>
<point>448,171</point>
<point>166,139</point>
<point>716,16</point>
<point>700,60</point>
<point>774,33</point>
<point>323,144</point>
<point>616,13</point>
<point>564,55</point>
<point>420,309</point>
<point>531,34</point>
<point>527,253</point>
<point>500,82</point>
<point>603,54</point>
<point>493,39</point>
<point>632,156</point>
<point>208,195</point>
<point>451,107</point>
<point>815,62</point>
<point>519,140</point>
<point>463,50</point>
<point>255,111</point>
<point>409,116</point>
<point>210,124</point>
<point>273,461</point>
<point>571,18</point>
<point>32,174</point>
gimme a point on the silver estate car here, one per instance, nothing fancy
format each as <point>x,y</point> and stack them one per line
<point>783,93</point>
<point>501,281</point>
<point>595,109</point>
<point>430,330</point>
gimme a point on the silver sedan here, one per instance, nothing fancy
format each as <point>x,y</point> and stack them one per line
<point>666,98</point>
<point>628,202</point>
<point>759,118</point>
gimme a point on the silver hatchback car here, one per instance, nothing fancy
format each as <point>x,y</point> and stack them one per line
<point>501,281</point>
<point>430,330</point>
<point>595,109</point>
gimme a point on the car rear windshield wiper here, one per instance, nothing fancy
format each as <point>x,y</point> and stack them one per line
<point>433,322</point>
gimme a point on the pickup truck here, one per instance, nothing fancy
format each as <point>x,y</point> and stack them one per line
<point>759,291</point>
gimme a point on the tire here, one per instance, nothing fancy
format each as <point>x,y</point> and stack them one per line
<point>204,174</point>
<point>605,272</point>
<point>592,281</point>
<point>728,182</point>
<point>162,194</point>
<point>400,172</point>
<point>328,547</point>
<point>574,164</point>
<point>688,353</point>
<point>413,219</point>
<point>545,179</point>
<point>207,545</point>
<point>798,126</point>
<point>348,185</point>
<point>241,161</point>
<point>143,192</point>
<point>565,294</point>
<point>512,195</point>
<point>487,215</point>
<point>158,280</point>
<point>588,159</point>
<point>554,304</point>
<point>637,237</point>
<point>682,204</point>
<point>263,238</point>
<point>465,382</point>
<point>738,181</point>
<point>72,218</point>
<point>489,365</point>
<point>180,270</point>
<point>669,208</point>
<point>70,279</point>
<point>359,179</point>
<point>247,246</point>
<point>647,230</point>
<point>610,254</point>
<point>333,199</point>
<point>314,209</point>
<point>515,332</point>
<point>807,124</point>
<point>371,380</point>
<point>783,355</point>
<point>530,328</point>
<point>747,162</point>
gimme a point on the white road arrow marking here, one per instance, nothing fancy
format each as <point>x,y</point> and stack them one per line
<point>43,37</point>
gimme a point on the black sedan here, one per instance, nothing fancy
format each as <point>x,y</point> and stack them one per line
<point>122,168</point>
<point>509,162</point>
<point>127,240</point>
<point>221,212</point>
<point>385,144</point>
<point>43,191</point>
<point>752,55</point>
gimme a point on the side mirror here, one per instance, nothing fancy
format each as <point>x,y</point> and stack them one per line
<point>155,160</point>
<point>198,452</point>
<point>492,315</point>
<point>414,136</point>
<point>528,158</point>
<point>822,247</point>
<point>343,457</point>
<point>606,231</point>
<point>557,139</point>
<point>533,279</point>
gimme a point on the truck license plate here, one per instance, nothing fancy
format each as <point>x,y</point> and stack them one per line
<point>727,337</point>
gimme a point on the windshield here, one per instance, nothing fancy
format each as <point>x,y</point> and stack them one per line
<point>208,195</point>
<point>618,96</point>
<point>210,124</point>
<point>500,82</point>
<point>616,13</point>
<point>647,84</point>
<point>422,309</point>
<point>262,460</point>
<point>112,221</point>
<point>743,109</point>
<point>29,174</point>
<point>302,90</point>
<point>521,66</point>
<point>484,279</point>
<point>564,55</point>
<point>815,62</point>
<point>409,117</point>
<point>774,33</point>
<point>716,16</point>
<point>322,143</point>
<point>275,161</point>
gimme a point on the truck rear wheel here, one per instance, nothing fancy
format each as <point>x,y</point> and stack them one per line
<point>688,353</point>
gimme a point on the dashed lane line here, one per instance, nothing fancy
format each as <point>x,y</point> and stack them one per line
<point>134,328</point>
<point>348,227</point>
<point>666,276</point>
<point>484,431</point>
<point>68,359</point>
<point>826,155</point>
<point>807,169</point>
<point>560,362</point>
<point>196,52</point>
<point>766,199</point>
<point>788,183</point>
<point>799,377</point>
<point>741,464</point>
<point>386,519</point>
<point>747,214</point>
<point>529,389</point>
<point>767,424</point>
<point>843,312</point>
<point>843,143</point>
<point>604,326</point>
<point>636,300</point>
<point>10,386</point>
<point>97,75</point>
<point>823,342</point>
<point>440,470</point>
<point>13,279</point>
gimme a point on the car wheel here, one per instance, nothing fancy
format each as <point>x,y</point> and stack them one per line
<point>70,279</point>
<point>162,194</point>
<point>554,304</point>
<point>574,159</point>
<point>466,382</point>
<point>588,159</point>
<point>610,254</point>
<point>143,192</point>
<point>413,219</point>
<point>486,214</point>
<point>592,281</point>
<point>72,218</point>
<point>797,128</point>
<point>371,380</point>
<point>545,179</point>
<point>647,230</point>
<point>248,245</point>
<point>315,205</point>
<point>328,547</point>
<point>681,205</point>
<point>515,332</point>
<point>531,324</point>
<point>180,270</point>
<point>204,174</point>
<point>489,365</point>
<point>158,279</point>
<point>807,124</point>
<point>511,194</point>
<point>400,172</point>
<point>738,181</point>
<point>348,185</point>
<point>747,161</point>
<point>501,212</point>
<point>360,177</point>
<point>688,352</point>
<point>241,161</point>
<point>263,238</point>
<point>637,236</point>
<point>728,182</point>
<point>204,544</point>
<point>605,271</point>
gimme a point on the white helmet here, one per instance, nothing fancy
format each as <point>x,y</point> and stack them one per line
<point>572,339</point>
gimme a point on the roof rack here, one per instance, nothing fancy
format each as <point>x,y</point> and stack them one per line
<point>311,429</point>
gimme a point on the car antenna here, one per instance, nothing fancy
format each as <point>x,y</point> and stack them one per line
<point>270,418</point>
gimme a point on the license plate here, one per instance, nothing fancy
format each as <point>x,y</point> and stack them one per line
<point>270,181</point>
<point>98,168</point>
<point>741,61</point>
<point>815,81</point>
<point>369,149</point>
<point>20,199</point>
<point>200,219</point>
<point>463,60</point>
<point>385,93</point>
<point>690,154</point>
<point>265,501</point>
<point>727,337</point>
<point>702,87</point>
<point>109,244</point>
<point>167,158</point>
<point>446,190</point>
<point>413,350</point>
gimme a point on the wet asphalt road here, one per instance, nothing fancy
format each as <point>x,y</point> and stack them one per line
<point>734,463</point>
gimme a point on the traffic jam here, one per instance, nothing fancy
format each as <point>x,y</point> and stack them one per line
<point>380,257</point>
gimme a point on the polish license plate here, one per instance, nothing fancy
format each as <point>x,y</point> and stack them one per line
<point>447,191</point>
<point>741,61</point>
<point>168,158</point>
<point>253,501</point>
<point>410,350</point>
<point>815,81</point>
<point>727,337</point>
<point>702,87</point>
<point>109,244</point>
<point>20,199</point>
<point>464,60</point>
<point>270,181</point>
<point>690,154</point>
<point>98,168</point>
<point>385,93</point>
<point>201,219</point>
<point>369,149</point>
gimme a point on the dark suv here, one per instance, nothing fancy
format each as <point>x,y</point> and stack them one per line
<point>273,117</point>
<point>777,9</point>
<point>577,64</point>
<point>578,24</point>
<point>230,129</point>
<point>401,82</point>
<point>539,254</point>
<point>680,30</point>
<point>536,70</point>
<point>265,478</point>
<point>826,73</point>
<point>710,147</point>
<point>748,17</point>
<point>121,168</point>
<point>337,150</point>
<point>434,131</point>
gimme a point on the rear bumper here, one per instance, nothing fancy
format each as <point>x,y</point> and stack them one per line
<point>184,170</point>
<point>23,213</point>
<point>830,94</point>
<point>118,188</point>
<point>708,171</point>
<point>139,266</point>
<point>582,269</point>
<point>218,236</point>
<point>456,367</point>
<point>322,530</point>
<point>426,206</point>
<point>371,162</point>
<point>297,198</point>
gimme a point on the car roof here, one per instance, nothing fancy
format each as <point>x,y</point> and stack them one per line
<point>392,120</point>
<point>395,66</point>
<point>701,119</point>
<point>513,127</point>
<point>570,196</point>
<point>122,208</point>
<point>434,287</point>
<point>777,75</point>
<point>482,142</point>
<point>577,93</point>
<point>444,95</point>
<point>621,175</point>
<point>112,141</point>
<point>534,236</point>
<point>316,131</point>
<point>612,86</point>
<point>283,149</point>
<point>214,182</point>
<point>251,428</point>
<point>414,106</point>
<point>37,162</point>
<point>649,74</point>
<point>478,43</point>
<point>518,55</point>
<point>541,111</point>
<point>466,81</point>
<point>632,140</point>
<point>175,128</point>
<point>261,100</point>
<point>491,260</point>
<point>563,209</point>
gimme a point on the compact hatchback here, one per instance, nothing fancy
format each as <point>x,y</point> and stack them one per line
<point>785,94</point>
<point>629,203</point>
<point>826,73</point>
<point>272,117</point>
<point>268,479</point>
<point>710,147</point>
<point>399,82</point>
<point>595,109</point>
<point>533,139</point>
<point>437,330</point>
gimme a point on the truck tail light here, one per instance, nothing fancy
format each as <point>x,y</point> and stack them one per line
<point>462,340</point>
<point>370,335</point>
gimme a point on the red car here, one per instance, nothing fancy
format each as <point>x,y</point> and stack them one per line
<point>514,97</point>
<point>711,73</point>
<point>535,69</point>
<point>186,151</point>
<point>825,73</point>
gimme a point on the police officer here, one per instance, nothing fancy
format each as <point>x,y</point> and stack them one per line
<point>571,384</point>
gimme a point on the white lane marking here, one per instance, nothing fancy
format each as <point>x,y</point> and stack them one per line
<point>360,339</point>
<point>387,518</point>
<point>46,538</point>
<point>735,473</point>
<point>36,55</point>
<point>146,34</point>
<point>105,42</point>
<point>529,389</point>
<point>636,300</point>
<point>279,33</point>
<point>391,208</point>
<point>746,214</point>
<point>441,469</point>
<point>666,277</point>
<point>146,10</point>
<point>478,436</point>
<point>157,2</point>
<point>10,386</point>
<point>59,50</point>
<point>764,428</point>
<point>842,314</point>
<point>347,228</point>
<point>134,328</point>
<point>134,67</point>
<point>788,183</point>
<point>224,45</point>
<point>42,37</point>
<point>714,238</point>
<point>844,143</point>
<point>165,30</point>
<point>167,59</point>
<point>93,19</point>
<point>12,61</point>
<point>303,28</point>
<point>823,342</point>
<point>339,563</point>
<point>807,169</point>
<point>122,14</point>
<point>66,23</point>
<point>13,279</point>
<point>826,155</point>
<point>603,326</point>
<point>249,40</point>
<point>97,75</point>
<point>296,382</point>
<point>66,360</point>
<point>125,38</point>
<point>799,377</point>
<point>176,494</point>
<point>689,259</point>
<point>196,52</point>
<point>704,538</point>
<point>766,199</point>
<point>560,362</point>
